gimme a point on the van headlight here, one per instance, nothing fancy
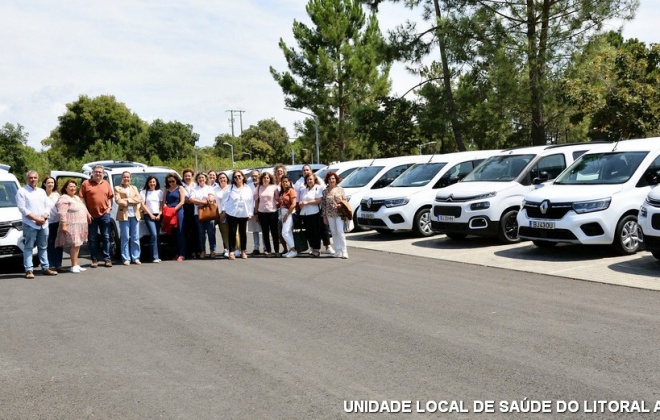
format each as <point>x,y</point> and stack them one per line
<point>396,202</point>
<point>484,196</point>
<point>592,206</point>
<point>18,225</point>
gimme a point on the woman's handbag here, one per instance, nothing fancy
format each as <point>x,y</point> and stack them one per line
<point>208,213</point>
<point>348,225</point>
<point>170,219</point>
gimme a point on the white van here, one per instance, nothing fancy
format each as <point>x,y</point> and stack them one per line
<point>649,220</point>
<point>378,174</point>
<point>11,221</point>
<point>596,200</point>
<point>406,203</point>
<point>343,169</point>
<point>487,200</point>
<point>113,170</point>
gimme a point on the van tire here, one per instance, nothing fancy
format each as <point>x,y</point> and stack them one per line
<point>422,223</point>
<point>508,229</point>
<point>384,231</point>
<point>626,236</point>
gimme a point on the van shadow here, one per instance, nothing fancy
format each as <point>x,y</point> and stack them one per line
<point>647,266</point>
<point>560,252</point>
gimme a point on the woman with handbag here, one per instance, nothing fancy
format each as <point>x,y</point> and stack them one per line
<point>206,210</point>
<point>129,200</point>
<point>152,207</point>
<point>238,208</point>
<point>175,197</point>
<point>333,196</point>
<point>287,205</point>
<point>310,202</point>
<point>191,232</point>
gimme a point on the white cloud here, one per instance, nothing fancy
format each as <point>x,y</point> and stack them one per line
<point>186,61</point>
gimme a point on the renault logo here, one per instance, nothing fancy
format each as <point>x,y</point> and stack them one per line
<point>544,206</point>
<point>369,202</point>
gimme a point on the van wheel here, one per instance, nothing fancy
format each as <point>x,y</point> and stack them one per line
<point>422,223</point>
<point>456,236</point>
<point>626,238</point>
<point>508,231</point>
<point>384,231</point>
<point>115,246</point>
<point>544,244</point>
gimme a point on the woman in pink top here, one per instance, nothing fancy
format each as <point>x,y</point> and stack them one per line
<point>265,207</point>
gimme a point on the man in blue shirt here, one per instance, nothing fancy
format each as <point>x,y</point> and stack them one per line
<point>34,205</point>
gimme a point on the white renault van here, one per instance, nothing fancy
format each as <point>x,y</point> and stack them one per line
<point>487,200</point>
<point>378,174</point>
<point>11,221</point>
<point>596,200</point>
<point>406,203</point>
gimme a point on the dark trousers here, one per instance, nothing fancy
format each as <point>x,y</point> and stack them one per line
<point>313,225</point>
<point>55,254</point>
<point>269,223</point>
<point>325,231</point>
<point>190,231</point>
<point>241,224</point>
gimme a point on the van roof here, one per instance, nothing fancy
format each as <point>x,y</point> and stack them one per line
<point>649,144</point>
<point>551,147</point>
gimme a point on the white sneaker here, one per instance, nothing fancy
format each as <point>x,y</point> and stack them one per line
<point>330,250</point>
<point>226,253</point>
<point>291,254</point>
<point>344,255</point>
<point>76,269</point>
<point>337,254</point>
<point>157,260</point>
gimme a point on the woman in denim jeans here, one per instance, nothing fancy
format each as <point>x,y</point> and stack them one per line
<point>152,207</point>
<point>129,202</point>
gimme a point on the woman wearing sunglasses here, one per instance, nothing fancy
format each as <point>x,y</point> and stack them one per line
<point>175,197</point>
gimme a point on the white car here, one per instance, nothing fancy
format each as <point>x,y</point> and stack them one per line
<point>406,203</point>
<point>649,221</point>
<point>596,200</point>
<point>487,200</point>
<point>113,170</point>
<point>343,169</point>
<point>11,221</point>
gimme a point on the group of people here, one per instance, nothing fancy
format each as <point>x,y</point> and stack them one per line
<point>188,209</point>
<point>266,207</point>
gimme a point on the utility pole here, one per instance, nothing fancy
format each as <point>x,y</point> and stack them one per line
<point>231,119</point>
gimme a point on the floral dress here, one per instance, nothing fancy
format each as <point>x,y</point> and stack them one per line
<point>332,197</point>
<point>73,212</point>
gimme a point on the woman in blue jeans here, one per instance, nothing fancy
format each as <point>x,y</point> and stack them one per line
<point>129,201</point>
<point>175,197</point>
<point>152,207</point>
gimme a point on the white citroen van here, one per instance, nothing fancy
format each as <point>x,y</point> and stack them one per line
<point>596,200</point>
<point>487,200</point>
<point>406,203</point>
<point>649,219</point>
<point>378,174</point>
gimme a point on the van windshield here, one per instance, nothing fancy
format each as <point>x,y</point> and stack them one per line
<point>8,190</point>
<point>361,177</point>
<point>418,175</point>
<point>602,168</point>
<point>499,168</point>
<point>139,179</point>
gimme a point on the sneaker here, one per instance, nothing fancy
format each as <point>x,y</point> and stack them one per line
<point>291,254</point>
<point>337,254</point>
<point>108,263</point>
<point>49,272</point>
<point>137,262</point>
<point>330,250</point>
<point>127,263</point>
<point>29,274</point>
<point>225,253</point>
<point>344,255</point>
<point>94,264</point>
<point>179,258</point>
<point>76,269</point>
<point>156,261</point>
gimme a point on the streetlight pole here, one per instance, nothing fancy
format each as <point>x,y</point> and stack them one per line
<point>425,144</point>
<point>316,125</point>
<point>232,153</point>
<point>248,153</point>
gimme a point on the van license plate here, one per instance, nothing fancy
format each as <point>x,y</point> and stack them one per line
<point>367,215</point>
<point>542,225</point>
<point>445,218</point>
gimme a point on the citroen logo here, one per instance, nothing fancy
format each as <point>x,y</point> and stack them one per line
<point>369,202</point>
<point>544,206</point>
<point>450,197</point>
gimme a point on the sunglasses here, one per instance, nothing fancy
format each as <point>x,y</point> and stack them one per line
<point>171,181</point>
<point>237,177</point>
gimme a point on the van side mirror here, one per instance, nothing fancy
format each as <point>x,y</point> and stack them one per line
<point>652,176</point>
<point>543,177</point>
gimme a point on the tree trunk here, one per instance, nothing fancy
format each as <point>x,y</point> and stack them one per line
<point>536,64</point>
<point>446,75</point>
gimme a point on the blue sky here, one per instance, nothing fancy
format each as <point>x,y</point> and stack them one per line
<point>189,61</point>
